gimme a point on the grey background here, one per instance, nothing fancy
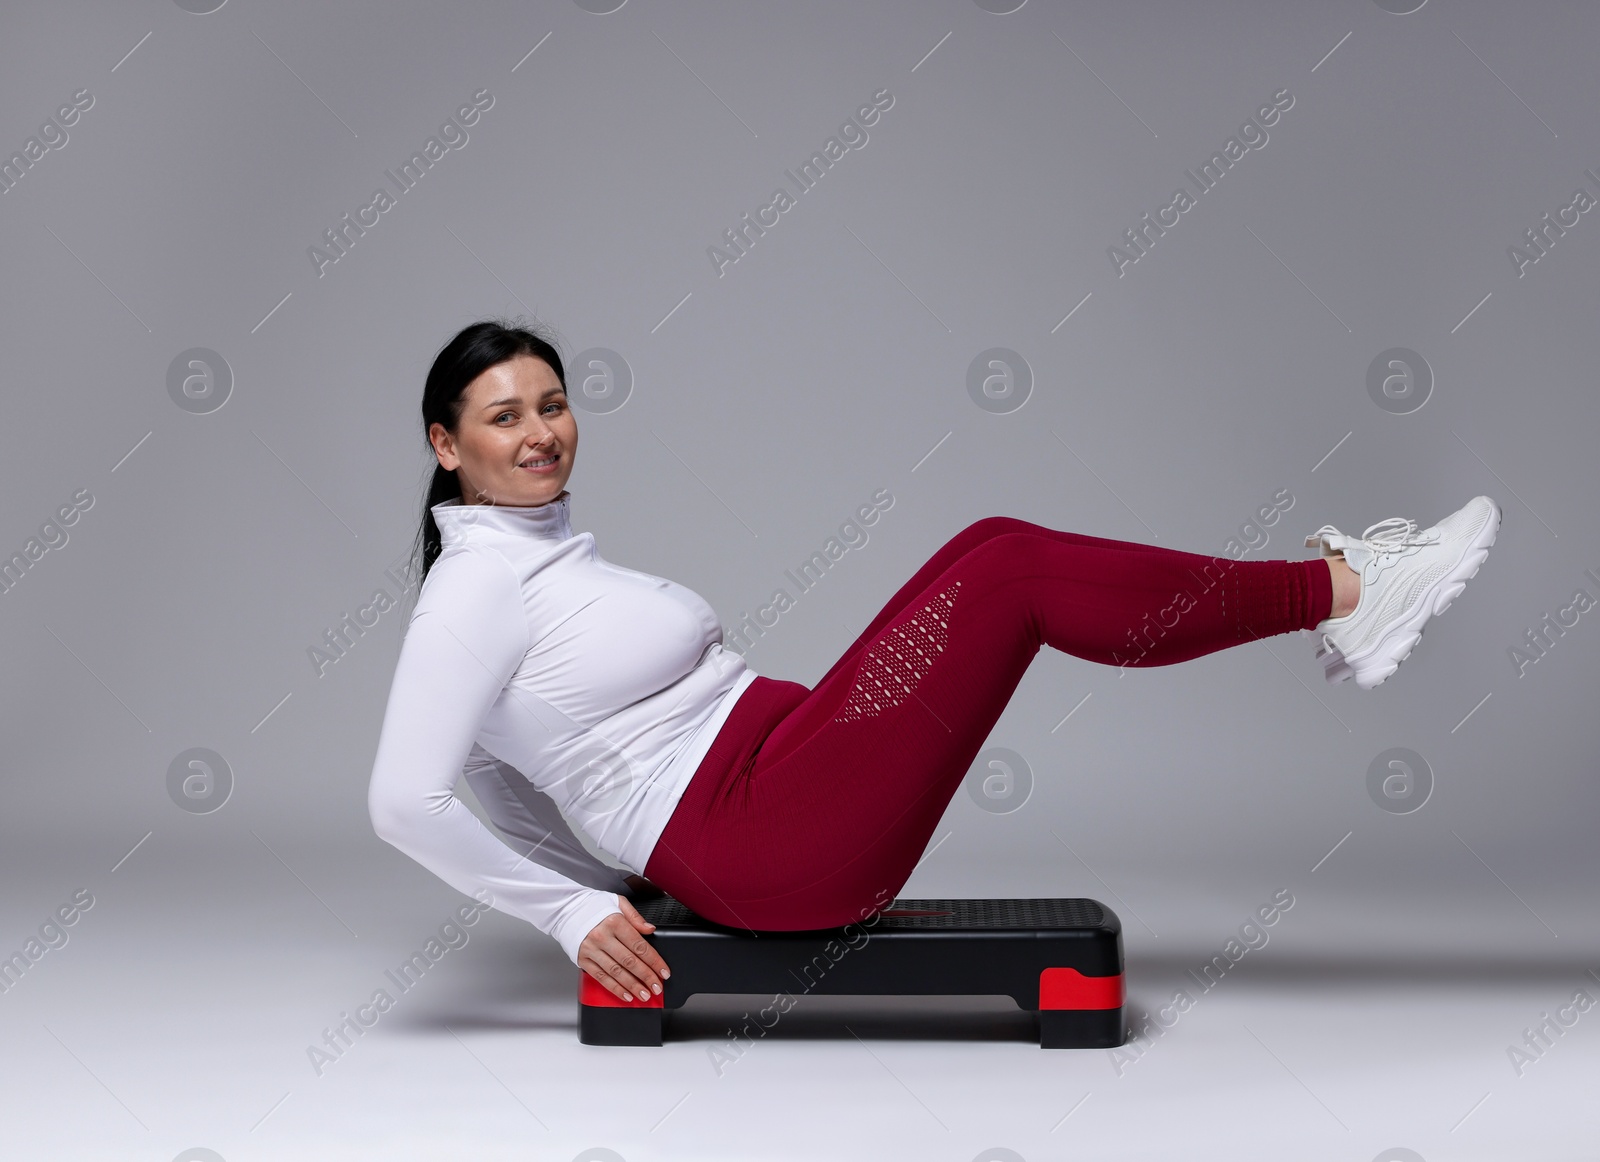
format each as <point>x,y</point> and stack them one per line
<point>768,403</point>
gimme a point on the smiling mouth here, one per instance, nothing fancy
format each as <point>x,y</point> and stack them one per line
<point>541,464</point>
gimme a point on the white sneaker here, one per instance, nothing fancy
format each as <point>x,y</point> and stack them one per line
<point>1407,576</point>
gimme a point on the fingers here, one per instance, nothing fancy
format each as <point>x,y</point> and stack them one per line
<point>624,961</point>
<point>641,946</point>
<point>646,951</point>
<point>632,915</point>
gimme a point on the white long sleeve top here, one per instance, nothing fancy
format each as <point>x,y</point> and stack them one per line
<point>556,682</point>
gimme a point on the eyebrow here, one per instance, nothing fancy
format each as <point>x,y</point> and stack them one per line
<point>518,399</point>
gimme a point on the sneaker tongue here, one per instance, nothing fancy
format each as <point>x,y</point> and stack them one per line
<point>1330,539</point>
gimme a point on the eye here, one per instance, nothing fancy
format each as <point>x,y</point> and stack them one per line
<point>555,403</point>
<point>502,416</point>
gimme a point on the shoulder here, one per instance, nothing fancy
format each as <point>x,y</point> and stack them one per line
<point>470,599</point>
<point>469,577</point>
<point>469,565</point>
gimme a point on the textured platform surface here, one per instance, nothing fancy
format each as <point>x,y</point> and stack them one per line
<point>926,915</point>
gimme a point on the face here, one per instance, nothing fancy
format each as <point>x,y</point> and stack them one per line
<point>516,439</point>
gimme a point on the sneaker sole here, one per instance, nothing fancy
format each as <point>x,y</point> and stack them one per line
<point>1375,667</point>
<point>1335,669</point>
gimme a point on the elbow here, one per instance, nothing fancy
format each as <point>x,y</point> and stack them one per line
<point>395,820</point>
<point>406,812</point>
<point>387,824</point>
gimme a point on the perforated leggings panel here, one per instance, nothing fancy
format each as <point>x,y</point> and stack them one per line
<point>813,806</point>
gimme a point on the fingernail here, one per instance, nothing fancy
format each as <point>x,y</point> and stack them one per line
<point>665,974</point>
<point>655,988</point>
<point>643,996</point>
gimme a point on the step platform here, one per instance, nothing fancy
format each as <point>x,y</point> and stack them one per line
<point>1061,958</point>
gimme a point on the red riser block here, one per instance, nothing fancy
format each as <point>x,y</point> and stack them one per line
<point>592,992</point>
<point>1067,988</point>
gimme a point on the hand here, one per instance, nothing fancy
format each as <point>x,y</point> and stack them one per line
<point>617,955</point>
<point>643,889</point>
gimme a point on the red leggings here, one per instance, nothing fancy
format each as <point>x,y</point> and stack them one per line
<point>812,807</point>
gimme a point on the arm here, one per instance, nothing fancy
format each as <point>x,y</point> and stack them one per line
<point>466,638</point>
<point>530,818</point>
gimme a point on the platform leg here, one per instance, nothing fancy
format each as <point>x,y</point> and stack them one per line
<point>1080,1028</point>
<point>605,1025</point>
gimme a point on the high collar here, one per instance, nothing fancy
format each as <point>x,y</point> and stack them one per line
<point>550,521</point>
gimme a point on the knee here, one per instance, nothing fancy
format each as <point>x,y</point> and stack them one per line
<point>1007,551</point>
<point>990,527</point>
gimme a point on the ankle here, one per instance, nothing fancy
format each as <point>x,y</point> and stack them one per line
<point>1346,587</point>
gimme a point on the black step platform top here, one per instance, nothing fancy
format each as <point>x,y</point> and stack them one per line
<point>1038,914</point>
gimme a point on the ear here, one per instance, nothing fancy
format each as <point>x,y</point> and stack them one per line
<point>444,447</point>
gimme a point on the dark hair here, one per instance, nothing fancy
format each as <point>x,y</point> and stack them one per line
<point>473,351</point>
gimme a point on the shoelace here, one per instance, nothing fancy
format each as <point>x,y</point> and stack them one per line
<point>1394,533</point>
<point>1387,535</point>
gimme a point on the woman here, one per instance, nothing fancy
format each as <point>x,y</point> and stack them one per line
<point>558,682</point>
